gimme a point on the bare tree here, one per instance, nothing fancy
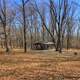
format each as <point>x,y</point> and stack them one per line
<point>24,2</point>
<point>60,13</point>
<point>70,25</point>
<point>3,18</point>
<point>35,6</point>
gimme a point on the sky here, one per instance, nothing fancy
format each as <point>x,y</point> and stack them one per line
<point>78,7</point>
<point>46,1</point>
<point>76,4</point>
<point>77,15</point>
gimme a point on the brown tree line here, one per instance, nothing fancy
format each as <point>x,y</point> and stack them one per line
<point>29,21</point>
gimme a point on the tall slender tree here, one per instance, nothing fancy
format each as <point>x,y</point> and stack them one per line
<point>24,23</point>
<point>3,18</point>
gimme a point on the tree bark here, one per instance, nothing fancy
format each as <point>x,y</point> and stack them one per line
<point>6,40</point>
<point>24,26</point>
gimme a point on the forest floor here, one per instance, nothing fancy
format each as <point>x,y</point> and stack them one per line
<point>40,65</point>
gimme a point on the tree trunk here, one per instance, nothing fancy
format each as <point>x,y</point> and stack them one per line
<point>6,40</point>
<point>24,26</point>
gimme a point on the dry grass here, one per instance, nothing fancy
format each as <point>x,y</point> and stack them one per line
<point>40,65</point>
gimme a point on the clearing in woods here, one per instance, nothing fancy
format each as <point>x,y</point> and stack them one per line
<point>40,65</point>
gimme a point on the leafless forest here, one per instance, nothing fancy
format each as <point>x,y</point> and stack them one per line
<point>24,23</point>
